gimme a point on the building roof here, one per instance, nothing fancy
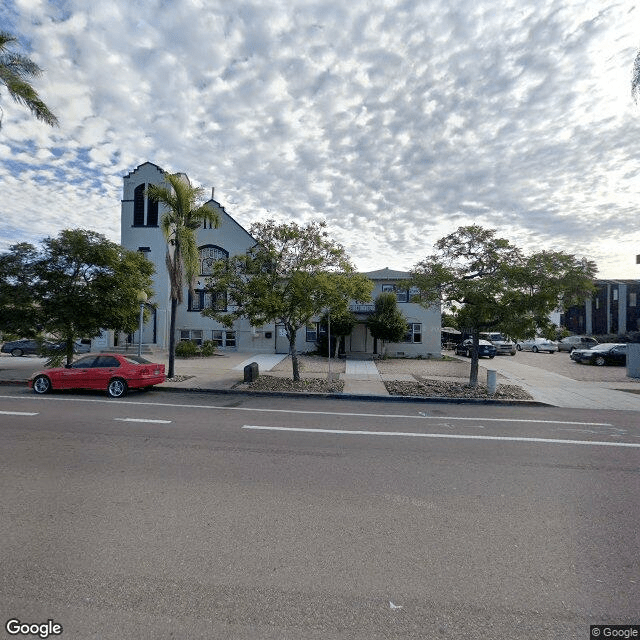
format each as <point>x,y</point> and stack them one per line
<point>387,274</point>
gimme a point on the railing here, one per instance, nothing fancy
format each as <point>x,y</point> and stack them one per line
<point>362,308</point>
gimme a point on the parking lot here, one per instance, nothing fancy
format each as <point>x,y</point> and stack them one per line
<point>562,364</point>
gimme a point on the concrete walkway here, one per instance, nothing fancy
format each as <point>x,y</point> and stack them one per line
<point>561,391</point>
<point>361,377</point>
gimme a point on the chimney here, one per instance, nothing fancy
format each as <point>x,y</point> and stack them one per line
<point>213,189</point>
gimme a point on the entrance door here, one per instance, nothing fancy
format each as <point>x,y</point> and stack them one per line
<point>359,339</point>
<point>282,342</point>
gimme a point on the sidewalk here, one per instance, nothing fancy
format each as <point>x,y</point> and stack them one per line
<point>224,371</point>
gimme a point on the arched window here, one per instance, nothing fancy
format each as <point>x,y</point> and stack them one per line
<point>209,255</point>
<point>138,206</point>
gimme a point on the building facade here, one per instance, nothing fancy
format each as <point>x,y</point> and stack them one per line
<point>613,309</point>
<point>140,231</point>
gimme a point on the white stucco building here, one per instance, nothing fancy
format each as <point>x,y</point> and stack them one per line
<point>140,231</point>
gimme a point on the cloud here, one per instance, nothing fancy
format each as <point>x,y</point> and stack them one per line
<point>395,121</point>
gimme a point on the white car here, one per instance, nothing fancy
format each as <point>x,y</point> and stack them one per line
<point>537,344</point>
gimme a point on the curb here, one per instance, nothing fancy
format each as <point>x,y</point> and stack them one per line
<point>335,396</point>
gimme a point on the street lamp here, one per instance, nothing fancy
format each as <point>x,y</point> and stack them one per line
<point>142,299</point>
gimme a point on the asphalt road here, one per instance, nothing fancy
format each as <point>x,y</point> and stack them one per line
<point>200,516</point>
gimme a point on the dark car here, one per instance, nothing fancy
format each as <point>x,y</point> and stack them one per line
<point>485,348</point>
<point>601,354</point>
<point>22,347</point>
<point>576,342</point>
<point>25,347</point>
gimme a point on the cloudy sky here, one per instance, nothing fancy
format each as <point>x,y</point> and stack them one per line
<point>396,121</point>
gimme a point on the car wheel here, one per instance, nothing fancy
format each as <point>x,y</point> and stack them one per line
<point>41,385</point>
<point>16,352</point>
<point>491,357</point>
<point>117,388</point>
<point>518,347</point>
<point>534,349</point>
<point>599,361</point>
<point>513,353</point>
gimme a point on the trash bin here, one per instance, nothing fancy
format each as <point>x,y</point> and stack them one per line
<point>251,372</point>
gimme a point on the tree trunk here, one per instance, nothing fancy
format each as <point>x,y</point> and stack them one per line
<point>172,338</point>
<point>291,334</point>
<point>69,347</point>
<point>473,375</point>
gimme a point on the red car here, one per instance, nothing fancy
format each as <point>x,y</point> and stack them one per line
<point>111,372</point>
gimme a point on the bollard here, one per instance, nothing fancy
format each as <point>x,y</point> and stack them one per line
<point>251,372</point>
<point>491,381</point>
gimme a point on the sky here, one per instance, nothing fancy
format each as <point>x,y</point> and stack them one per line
<point>395,121</point>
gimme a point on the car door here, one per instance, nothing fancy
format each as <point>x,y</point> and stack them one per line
<point>618,355</point>
<point>78,375</point>
<point>104,369</point>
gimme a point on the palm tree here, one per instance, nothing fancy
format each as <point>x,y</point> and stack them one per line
<point>16,71</point>
<point>179,224</point>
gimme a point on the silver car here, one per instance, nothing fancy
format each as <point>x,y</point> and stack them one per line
<point>536,345</point>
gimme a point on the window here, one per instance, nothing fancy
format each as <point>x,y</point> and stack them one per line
<point>152,213</point>
<point>632,299</point>
<point>312,332</point>
<point>402,295</point>
<point>106,361</point>
<point>615,294</point>
<point>138,206</point>
<point>208,256</point>
<point>195,335</point>
<point>414,333</point>
<point>223,338</point>
<point>201,299</point>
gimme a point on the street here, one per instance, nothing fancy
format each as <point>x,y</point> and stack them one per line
<point>170,515</point>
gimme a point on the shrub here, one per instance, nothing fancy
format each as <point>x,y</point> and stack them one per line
<point>208,348</point>
<point>186,349</point>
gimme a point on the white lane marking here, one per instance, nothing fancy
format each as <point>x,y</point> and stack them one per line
<point>143,420</point>
<point>443,435</point>
<point>311,413</point>
<point>17,413</point>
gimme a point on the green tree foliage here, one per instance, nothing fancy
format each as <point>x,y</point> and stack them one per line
<point>292,274</point>
<point>179,225</point>
<point>387,323</point>
<point>74,286</point>
<point>16,73</point>
<point>339,323</point>
<point>495,286</point>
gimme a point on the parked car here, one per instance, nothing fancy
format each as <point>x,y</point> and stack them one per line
<point>485,348</point>
<point>25,346</point>
<point>21,347</point>
<point>601,354</point>
<point>537,344</point>
<point>576,342</point>
<point>111,372</point>
<point>502,344</point>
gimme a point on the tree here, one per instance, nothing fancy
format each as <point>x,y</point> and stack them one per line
<point>635,78</point>
<point>179,224</point>
<point>76,285</point>
<point>339,323</point>
<point>16,72</point>
<point>292,274</point>
<point>387,323</point>
<point>495,286</point>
